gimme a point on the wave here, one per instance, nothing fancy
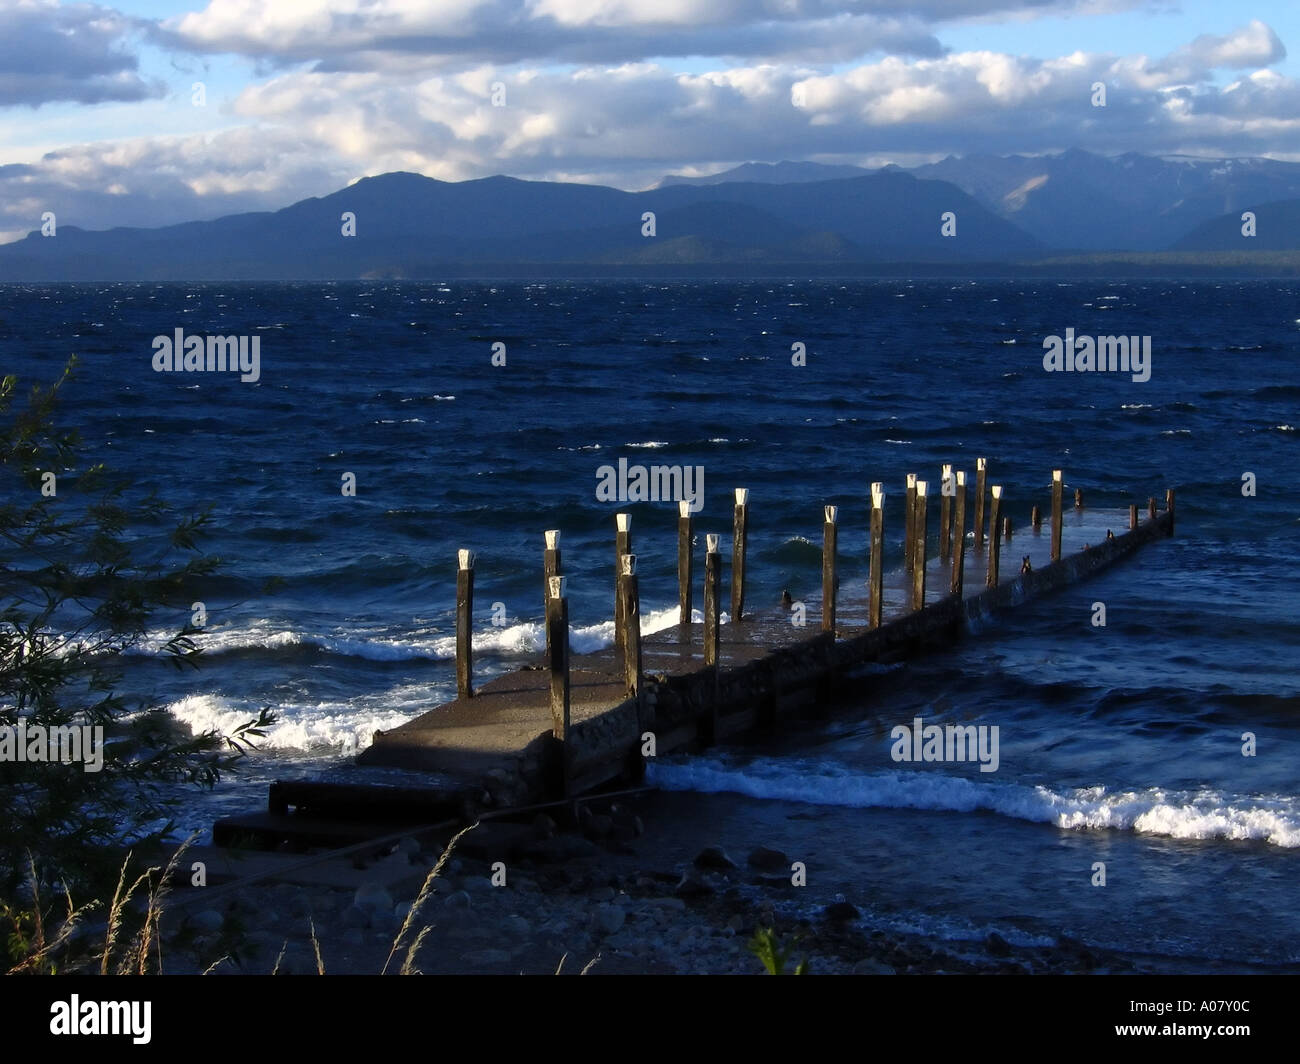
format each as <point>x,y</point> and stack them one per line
<point>322,727</point>
<point>1204,814</point>
<point>517,639</point>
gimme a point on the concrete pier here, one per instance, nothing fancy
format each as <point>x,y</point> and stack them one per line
<point>499,746</point>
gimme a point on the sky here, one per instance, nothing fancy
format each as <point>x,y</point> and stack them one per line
<point>149,112</point>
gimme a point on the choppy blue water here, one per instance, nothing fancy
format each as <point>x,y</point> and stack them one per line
<point>1120,744</point>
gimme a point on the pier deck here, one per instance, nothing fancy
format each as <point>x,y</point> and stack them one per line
<point>500,741</point>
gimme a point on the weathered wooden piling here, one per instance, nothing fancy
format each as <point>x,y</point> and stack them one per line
<point>465,624</point>
<point>1151,508</point>
<point>739,536</point>
<point>946,491</point>
<point>1078,498</point>
<point>630,594</point>
<point>981,476</point>
<point>557,626</point>
<point>909,522</point>
<point>875,572</point>
<point>959,537</point>
<point>622,545</point>
<point>1057,487</point>
<point>552,565</point>
<point>712,633</point>
<point>712,605</point>
<point>918,546</point>
<point>1036,518</point>
<point>995,504</point>
<point>685,560</point>
<point>1132,515</point>
<point>1169,508</point>
<point>829,539</point>
<point>1006,529</point>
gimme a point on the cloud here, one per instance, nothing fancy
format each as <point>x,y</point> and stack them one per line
<point>74,53</point>
<point>357,34</point>
<point>309,131</point>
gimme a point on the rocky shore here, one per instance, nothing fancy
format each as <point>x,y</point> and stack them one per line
<point>529,898</point>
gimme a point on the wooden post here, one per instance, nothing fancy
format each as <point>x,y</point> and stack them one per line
<point>551,566</point>
<point>712,603</point>
<point>981,476</point>
<point>959,537</point>
<point>740,533</point>
<point>947,488</point>
<point>909,522</point>
<point>464,625</point>
<point>1151,508</point>
<point>1132,515</point>
<point>1057,487</point>
<point>557,621</point>
<point>1006,529</point>
<point>875,573</point>
<point>1036,518</point>
<point>918,547</point>
<point>1078,498</point>
<point>994,541</point>
<point>622,545</point>
<point>1169,506</point>
<point>631,624</point>
<point>829,537</point>
<point>685,560</point>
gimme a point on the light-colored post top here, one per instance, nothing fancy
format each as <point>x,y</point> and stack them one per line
<point>911,480</point>
<point>961,478</point>
<point>629,564</point>
<point>997,491</point>
<point>981,463</point>
<point>832,513</point>
<point>742,496</point>
<point>552,539</point>
<point>877,496</point>
<point>921,488</point>
<point>947,470</point>
<point>466,558</point>
<point>623,522</point>
<point>684,508</point>
<point>1056,474</point>
<point>711,542</point>
<point>557,586</point>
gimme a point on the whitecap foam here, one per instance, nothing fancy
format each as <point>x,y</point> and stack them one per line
<point>514,639</point>
<point>321,727</point>
<point>1205,814</point>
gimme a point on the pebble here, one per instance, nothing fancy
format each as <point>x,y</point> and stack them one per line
<point>997,945</point>
<point>841,911</point>
<point>206,922</point>
<point>767,860</point>
<point>714,857</point>
<point>693,885</point>
<point>373,897</point>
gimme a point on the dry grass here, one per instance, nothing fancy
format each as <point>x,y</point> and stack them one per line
<point>142,955</point>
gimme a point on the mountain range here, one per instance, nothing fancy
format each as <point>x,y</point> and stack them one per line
<point>957,213</point>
